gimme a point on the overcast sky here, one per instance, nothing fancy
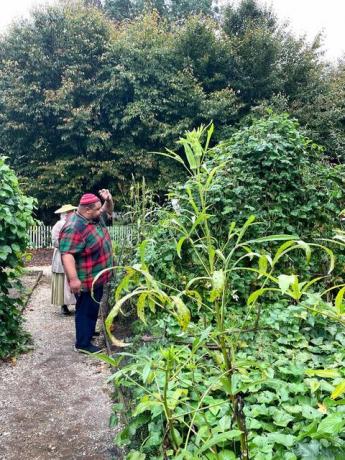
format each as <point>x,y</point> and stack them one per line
<point>305,16</point>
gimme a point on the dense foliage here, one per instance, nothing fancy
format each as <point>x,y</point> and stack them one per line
<point>84,96</point>
<point>172,9</point>
<point>15,219</point>
<point>247,359</point>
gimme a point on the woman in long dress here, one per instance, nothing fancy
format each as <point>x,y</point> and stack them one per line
<point>60,290</point>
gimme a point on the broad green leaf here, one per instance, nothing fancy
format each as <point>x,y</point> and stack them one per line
<point>226,455</point>
<point>226,384</point>
<point>147,405</point>
<point>286,440</point>
<point>332,424</point>
<point>142,249</point>
<point>218,439</point>
<point>135,455</point>
<point>282,418</point>
<point>174,398</point>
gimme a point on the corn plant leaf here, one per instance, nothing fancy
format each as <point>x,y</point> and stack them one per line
<point>182,312</point>
<point>172,155</point>
<point>285,281</point>
<point>179,245</point>
<point>191,158</point>
<point>218,280</point>
<point>339,305</point>
<point>281,250</point>
<point>258,293</point>
<point>263,264</point>
<point>231,232</point>
<point>306,247</point>
<point>243,230</point>
<point>195,295</point>
<point>112,315</point>
<point>141,307</point>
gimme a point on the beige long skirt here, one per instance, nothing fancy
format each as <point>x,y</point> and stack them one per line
<point>61,293</point>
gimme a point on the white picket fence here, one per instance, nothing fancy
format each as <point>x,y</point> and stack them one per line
<point>40,235</point>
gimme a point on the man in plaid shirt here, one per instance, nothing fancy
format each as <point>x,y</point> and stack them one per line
<point>86,250</point>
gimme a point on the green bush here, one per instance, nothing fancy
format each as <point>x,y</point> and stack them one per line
<point>15,219</point>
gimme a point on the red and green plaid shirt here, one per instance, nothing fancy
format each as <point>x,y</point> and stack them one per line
<point>90,244</point>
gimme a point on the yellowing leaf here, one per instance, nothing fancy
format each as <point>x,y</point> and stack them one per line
<point>339,390</point>
<point>325,373</point>
<point>182,312</point>
<point>322,408</point>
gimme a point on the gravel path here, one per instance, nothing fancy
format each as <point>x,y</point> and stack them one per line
<point>54,402</point>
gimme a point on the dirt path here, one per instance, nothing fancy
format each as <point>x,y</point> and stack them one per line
<point>54,402</point>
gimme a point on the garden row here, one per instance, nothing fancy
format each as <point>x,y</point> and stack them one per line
<point>245,315</point>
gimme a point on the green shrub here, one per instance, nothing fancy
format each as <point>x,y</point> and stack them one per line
<point>15,219</point>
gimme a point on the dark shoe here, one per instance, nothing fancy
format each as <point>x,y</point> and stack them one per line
<point>90,349</point>
<point>65,311</point>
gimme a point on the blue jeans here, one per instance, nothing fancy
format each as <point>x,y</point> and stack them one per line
<point>86,314</point>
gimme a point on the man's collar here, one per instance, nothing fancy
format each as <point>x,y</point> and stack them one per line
<point>87,221</point>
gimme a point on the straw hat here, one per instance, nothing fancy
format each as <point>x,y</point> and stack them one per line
<point>65,208</point>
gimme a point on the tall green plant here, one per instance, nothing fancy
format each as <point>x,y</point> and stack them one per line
<point>15,219</point>
<point>208,297</point>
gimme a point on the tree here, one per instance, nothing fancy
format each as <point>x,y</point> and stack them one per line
<point>49,100</point>
<point>268,59</point>
<point>172,10</point>
<point>85,101</point>
<point>246,16</point>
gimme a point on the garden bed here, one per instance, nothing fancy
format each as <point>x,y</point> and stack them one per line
<point>39,257</point>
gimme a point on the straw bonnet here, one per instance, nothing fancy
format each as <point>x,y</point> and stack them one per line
<point>65,208</point>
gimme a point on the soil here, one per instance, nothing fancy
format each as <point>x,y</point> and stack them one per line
<point>39,257</point>
<point>54,403</point>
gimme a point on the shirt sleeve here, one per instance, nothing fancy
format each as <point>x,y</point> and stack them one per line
<point>71,241</point>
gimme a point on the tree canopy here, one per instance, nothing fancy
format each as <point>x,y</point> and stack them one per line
<point>86,100</point>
